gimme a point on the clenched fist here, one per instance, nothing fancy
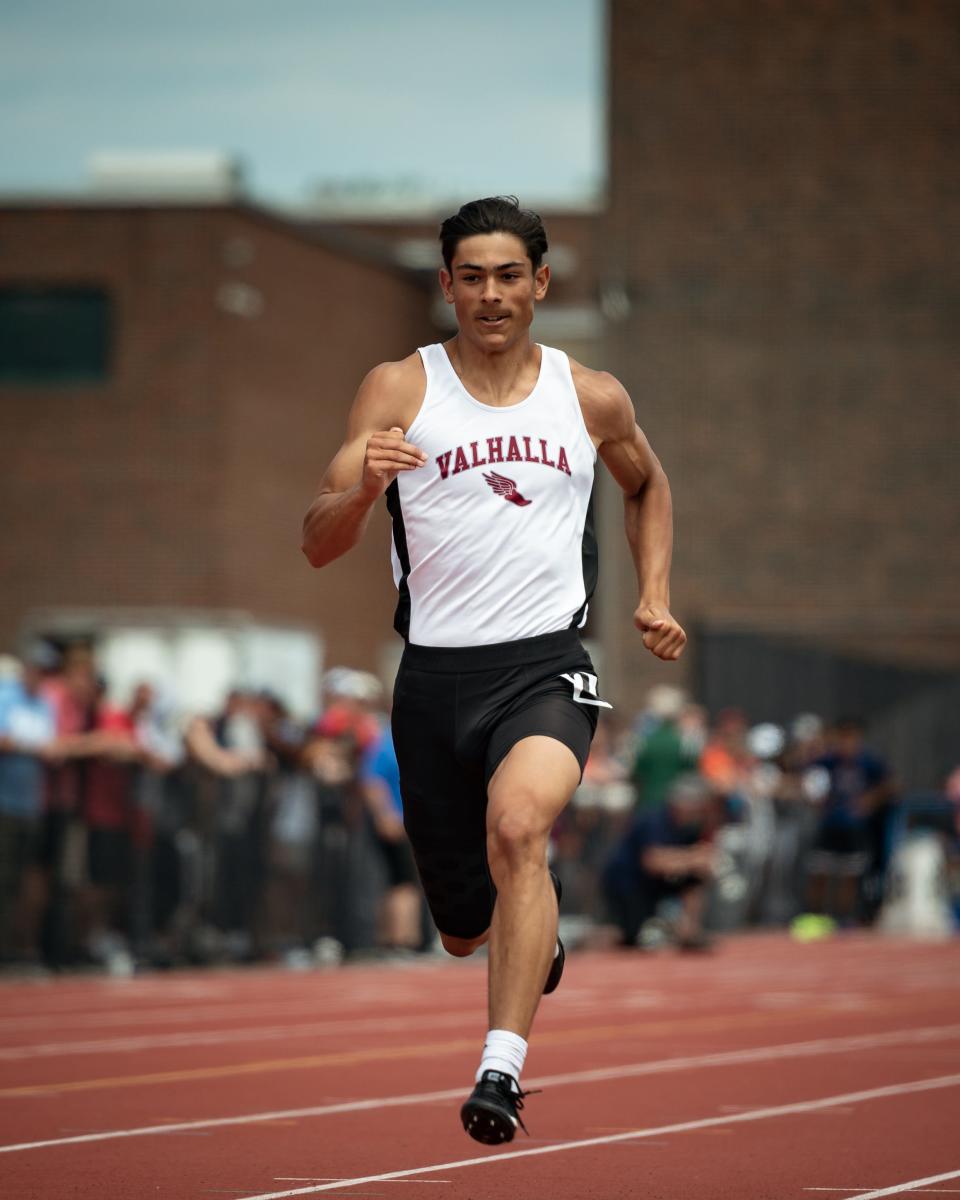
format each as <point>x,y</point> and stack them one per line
<point>386,455</point>
<point>662,634</point>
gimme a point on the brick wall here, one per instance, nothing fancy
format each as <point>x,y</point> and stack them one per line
<point>182,480</point>
<point>785,220</point>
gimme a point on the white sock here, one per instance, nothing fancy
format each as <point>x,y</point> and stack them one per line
<point>503,1051</point>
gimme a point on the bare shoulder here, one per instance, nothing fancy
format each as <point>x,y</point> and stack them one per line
<point>607,408</point>
<point>391,394</point>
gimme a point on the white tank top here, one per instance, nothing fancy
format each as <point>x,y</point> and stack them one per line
<point>493,537</point>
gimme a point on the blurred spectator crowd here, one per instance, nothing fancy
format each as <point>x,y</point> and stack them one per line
<point>132,836</point>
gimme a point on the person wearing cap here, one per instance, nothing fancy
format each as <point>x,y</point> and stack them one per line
<point>350,700</point>
<point>663,752</point>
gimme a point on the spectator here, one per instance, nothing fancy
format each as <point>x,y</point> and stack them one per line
<point>70,686</point>
<point>952,793</point>
<point>10,670</point>
<point>666,854</point>
<point>694,729</point>
<point>400,925</point>
<point>112,758</point>
<point>726,761</point>
<point>922,893</point>
<point>333,765</point>
<point>664,752</point>
<point>771,841</point>
<point>586,830</point>
<point>347,731</point>
<point>293,833</point>
<point>806,743</point>
<point>27,729</point>
<point>857,792</point>
<point>602,786</point>
<point>351,698</point>
<point>160,831</point>
<point>231,749</point>
<point>782,897</point>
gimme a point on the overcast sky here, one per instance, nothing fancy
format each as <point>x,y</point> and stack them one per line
<point>459,98</point>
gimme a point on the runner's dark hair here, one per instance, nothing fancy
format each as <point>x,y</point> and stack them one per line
<point>495,214</point>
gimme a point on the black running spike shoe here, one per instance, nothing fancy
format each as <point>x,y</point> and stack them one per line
<point>492,1113</point>
<point>556,967</point>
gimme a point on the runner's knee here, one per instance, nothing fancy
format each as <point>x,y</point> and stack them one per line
<point>462,947</point>
<point>517,837</point>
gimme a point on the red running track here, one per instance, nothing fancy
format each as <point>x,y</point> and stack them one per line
<point>767,1071</point>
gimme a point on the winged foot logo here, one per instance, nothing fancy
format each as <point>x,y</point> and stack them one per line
<point>505,487</point>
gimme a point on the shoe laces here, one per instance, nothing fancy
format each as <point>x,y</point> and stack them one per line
<point>517,1099</point>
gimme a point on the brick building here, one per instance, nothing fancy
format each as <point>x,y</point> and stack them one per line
<point>165,434</point>
<point>781,259</point>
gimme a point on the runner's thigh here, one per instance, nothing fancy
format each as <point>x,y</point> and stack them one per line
<point>444,804</point>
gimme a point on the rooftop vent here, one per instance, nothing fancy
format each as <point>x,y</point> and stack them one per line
<point>200,176</point>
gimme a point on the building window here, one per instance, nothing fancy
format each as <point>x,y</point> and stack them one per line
<point>51,335</point>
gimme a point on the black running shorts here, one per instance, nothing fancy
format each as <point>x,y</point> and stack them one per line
<point>397,861</point>
<point>457,712</point>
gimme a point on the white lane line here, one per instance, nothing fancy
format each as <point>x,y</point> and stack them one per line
<point>757,1114</point>
<point>170,1016</point>
<point>348,995</point>
<point>58,997</point>
<point>256,1033</point>
<point>347,1001</point>
<point>911,1186</point>
<point>274,1009</point>
<point>787,1050</point>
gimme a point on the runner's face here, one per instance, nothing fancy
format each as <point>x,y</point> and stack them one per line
<point>493,289</point>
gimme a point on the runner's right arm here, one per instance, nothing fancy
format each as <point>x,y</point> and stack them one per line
<point>372,455</point>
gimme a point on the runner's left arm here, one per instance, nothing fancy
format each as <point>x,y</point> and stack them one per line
<point>648,507</point>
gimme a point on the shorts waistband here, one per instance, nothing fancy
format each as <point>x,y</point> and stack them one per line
<point>456,659</point>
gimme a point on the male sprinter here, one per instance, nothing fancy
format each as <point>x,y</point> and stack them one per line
<point>485,447</point>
